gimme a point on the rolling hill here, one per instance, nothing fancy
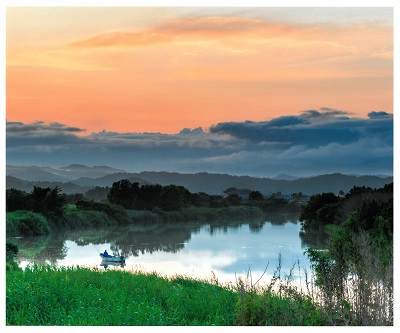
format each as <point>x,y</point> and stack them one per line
<point>79,179</point>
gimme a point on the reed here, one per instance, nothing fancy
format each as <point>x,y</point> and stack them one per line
<point>45,295</point>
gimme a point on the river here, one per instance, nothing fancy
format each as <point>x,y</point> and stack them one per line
<point>222,250</point>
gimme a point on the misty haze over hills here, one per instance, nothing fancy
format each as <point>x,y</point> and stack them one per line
<point>80,178</point>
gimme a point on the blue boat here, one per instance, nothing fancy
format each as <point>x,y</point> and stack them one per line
<point>112,258</point>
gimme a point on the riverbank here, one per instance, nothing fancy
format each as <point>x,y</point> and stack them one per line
<point>45,295</point>
<point>29,223</point>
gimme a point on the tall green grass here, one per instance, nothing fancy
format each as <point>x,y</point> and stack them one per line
<point>45,295</point>
<point>79,296</point>
<point>24,222</point>
<point>88,218</point>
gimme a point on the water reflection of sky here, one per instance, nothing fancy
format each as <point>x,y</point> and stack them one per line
<point>228,252</point>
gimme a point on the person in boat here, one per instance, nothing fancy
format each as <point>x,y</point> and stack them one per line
<point>106,254</point>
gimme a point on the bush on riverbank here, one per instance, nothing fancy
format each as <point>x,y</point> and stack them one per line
<point>75,219</point>
<point>356,269</point>
<point>23,222</point>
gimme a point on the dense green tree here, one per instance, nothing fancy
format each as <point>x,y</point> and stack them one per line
<point>200,199</point>
<point>174,197</point>
<point>17,200</point>
<point>48,201</point>
<point>233,199</point>
<point>256,195</point>
<point>217,201</point>
<point>97,194</point>
<point>114,211</point>
<point>72,198</point>
<point>149,197</point>
<point>124,193</point>
<point>320,209</point>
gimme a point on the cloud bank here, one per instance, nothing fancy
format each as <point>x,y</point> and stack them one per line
<point>313,142</point>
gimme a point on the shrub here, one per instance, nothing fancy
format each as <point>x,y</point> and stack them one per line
<point>26,223</point>
<point>87,218</point>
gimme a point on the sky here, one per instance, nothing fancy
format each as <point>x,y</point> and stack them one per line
<point>240,89</point>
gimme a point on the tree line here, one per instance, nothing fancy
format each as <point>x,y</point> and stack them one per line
<point>123,195</point>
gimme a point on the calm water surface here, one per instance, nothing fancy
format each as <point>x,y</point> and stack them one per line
<point>227,250</point>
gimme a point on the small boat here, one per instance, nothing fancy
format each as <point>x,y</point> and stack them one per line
<point>112,258</point>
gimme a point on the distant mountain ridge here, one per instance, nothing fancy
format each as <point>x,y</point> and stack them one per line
<point>25,178</point>
<point>62,174</point>
<point>284,176</point>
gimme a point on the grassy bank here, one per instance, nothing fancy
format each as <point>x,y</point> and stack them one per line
<point>46,295</point>
<point>30,223</point>
<point>79,296</point>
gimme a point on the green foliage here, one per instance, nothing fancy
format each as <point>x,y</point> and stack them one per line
<point>114,212</point>
<point>321,263</point>
<point>46,201</point>
<point>360,252</point>
<point>173,197</point>
<point>124,193</point>
<point>26,223</point>
<point>233,199</point>
<point>78,296</point>
<point>149,197</point>
<point>256,195</point>
<point>87,219</point>
<point>17,200</point>
<point>269,309</point>
<point>97,194</point>
<point>72,198</point>
<point>131,196</point>
<point>11,254</point>
<point>321,209</point>
<point>11,251</point>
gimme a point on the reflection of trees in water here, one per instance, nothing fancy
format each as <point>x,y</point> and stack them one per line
<point>136,240</point>
<point>169,238</point>
<point>41,249</point>
<point>224,226</point>
<point>283,218</point>
<point>256,227</point>
<point>314,238</point>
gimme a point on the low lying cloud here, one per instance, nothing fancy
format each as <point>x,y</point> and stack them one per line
<point>315,141</point>
<point>310,129</point>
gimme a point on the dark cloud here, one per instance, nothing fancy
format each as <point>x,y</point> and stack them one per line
<point>379,114</point>
<point>39,128</point>
<point>315,141</point>
<point>291,131</point>
<point>197,130</point>
<point>38,136</point>
<point>324,113</point>
<point>311,128</point>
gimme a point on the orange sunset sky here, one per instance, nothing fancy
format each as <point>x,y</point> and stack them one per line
<point>162,69</point>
